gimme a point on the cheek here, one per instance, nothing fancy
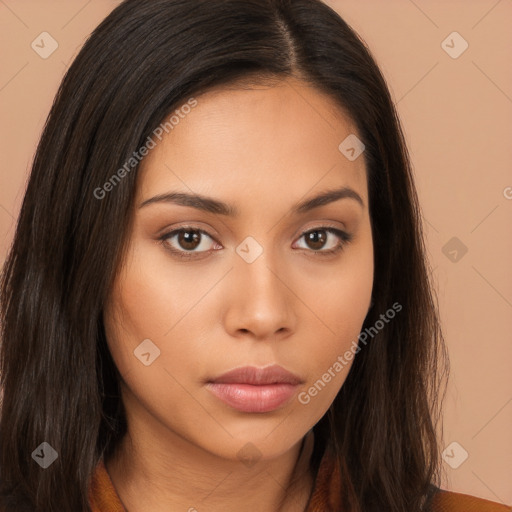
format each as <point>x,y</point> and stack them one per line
<point>340,294</point>
<point>153,298</point>
<point>150,302</point>
<point>340,302</point>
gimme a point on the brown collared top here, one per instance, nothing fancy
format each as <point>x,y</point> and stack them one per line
<point>325,496</point>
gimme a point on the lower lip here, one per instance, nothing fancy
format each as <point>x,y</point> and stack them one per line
<point>249,398</point>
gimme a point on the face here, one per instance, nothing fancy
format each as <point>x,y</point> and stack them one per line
<point>267,278</point>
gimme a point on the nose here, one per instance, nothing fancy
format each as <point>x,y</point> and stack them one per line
<point>260,302</point>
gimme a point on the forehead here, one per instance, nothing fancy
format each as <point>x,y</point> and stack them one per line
<point>243,140</point>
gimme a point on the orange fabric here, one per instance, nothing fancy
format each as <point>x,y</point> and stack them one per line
<point>103,496</point>
<point>455,502</point>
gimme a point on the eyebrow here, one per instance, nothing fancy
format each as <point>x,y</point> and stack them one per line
<point>210,205</point>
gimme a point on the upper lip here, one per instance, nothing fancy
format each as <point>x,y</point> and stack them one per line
<point>274,374</point>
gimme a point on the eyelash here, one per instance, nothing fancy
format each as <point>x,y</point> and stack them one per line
<point>345,238</point>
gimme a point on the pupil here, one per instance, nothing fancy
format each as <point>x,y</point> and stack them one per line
<point>189,239</point>
<point>318,241</point>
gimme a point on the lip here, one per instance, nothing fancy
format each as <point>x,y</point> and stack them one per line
<point>255,390</point>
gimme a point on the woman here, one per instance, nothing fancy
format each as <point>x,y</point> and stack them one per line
<point>217,297</point>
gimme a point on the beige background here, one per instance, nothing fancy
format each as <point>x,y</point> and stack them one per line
<point>457,115</point>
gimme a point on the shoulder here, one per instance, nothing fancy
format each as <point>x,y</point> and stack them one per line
<point>446,501</point>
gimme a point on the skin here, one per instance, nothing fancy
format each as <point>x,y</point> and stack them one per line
<point>262,150</point>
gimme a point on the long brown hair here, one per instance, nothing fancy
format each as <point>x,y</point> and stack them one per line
<point>58,381</point>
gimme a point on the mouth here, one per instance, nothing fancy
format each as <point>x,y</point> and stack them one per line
<point>255,390</point>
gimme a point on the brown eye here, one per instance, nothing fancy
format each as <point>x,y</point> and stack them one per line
<point>316,239</point>
<point>188,241</point>
<point>325,240</point>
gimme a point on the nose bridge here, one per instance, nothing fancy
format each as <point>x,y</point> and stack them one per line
<point>261,303</point>
<point>258,280</point>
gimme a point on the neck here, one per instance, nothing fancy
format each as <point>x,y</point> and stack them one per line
<point>190,479</point>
